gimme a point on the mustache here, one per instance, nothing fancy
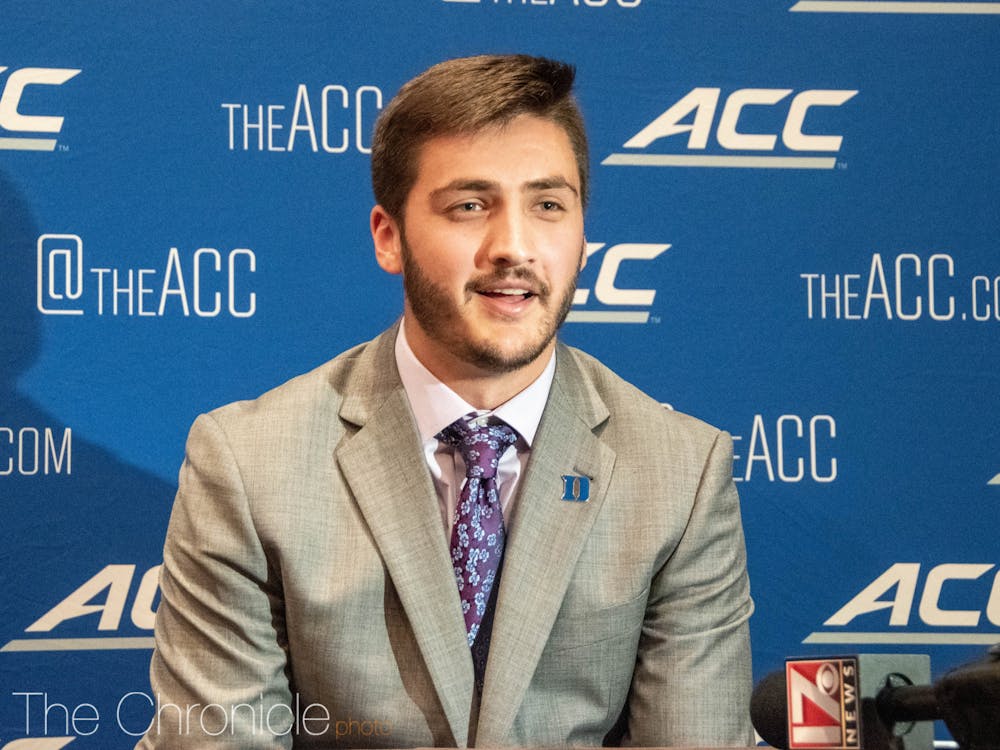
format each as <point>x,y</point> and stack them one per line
<point>519,273</point>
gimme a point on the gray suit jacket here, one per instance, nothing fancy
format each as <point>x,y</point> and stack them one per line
<point>307,589</point>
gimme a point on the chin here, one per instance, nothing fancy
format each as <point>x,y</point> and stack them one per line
<point>496,358</point>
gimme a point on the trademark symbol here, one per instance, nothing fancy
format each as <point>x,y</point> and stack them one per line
<point>841,165</point>
<point>655,319</point>
<point>63,148</point>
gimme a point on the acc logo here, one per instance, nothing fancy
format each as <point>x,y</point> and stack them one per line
<point>15,121</point>
<point>750,121</point>
<point>802,448</point>
<point>110,587</point>
<point>185,283</point>
<point>606,291</point>
<point>896,590</point>
<point>325,129</point>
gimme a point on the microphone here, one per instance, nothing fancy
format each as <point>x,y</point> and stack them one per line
<point>769,709</point>
<point>869,702</point>
<point>860,702</point>
<point>969,699</point>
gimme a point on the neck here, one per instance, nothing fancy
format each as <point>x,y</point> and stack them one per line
<point>488,391</point>
<point>480,387</point>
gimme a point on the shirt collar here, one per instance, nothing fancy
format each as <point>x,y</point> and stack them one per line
<point>435,405</point>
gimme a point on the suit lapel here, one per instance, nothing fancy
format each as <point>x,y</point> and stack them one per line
<point>546,537</point>
<point>385,468</point>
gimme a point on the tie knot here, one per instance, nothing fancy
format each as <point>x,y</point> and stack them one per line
<point>481,443</point>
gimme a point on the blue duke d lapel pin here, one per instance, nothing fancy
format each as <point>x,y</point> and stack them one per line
<point>576,488</point>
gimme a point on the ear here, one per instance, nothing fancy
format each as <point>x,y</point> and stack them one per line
<point>583,254</point>
<point>387,236</point>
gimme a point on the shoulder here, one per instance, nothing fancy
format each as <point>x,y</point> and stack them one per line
<point>322,387</point>
<point>305,410</point>
<point>631,411</point>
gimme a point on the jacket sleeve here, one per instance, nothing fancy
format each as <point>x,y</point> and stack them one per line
<point>219,668</point>
<point>692,678</point>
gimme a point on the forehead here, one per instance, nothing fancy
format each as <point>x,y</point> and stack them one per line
<point>518,151</point>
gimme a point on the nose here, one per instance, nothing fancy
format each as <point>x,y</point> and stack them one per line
<point>509,240</point>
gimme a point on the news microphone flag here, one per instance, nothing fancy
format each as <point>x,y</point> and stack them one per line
<point>823,703</point>
<point>832,702</point>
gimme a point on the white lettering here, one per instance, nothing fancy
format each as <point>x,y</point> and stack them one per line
<point>728,137</point>
<point>605,288</point>
<point>251,307</point>
<point>244,118</point>
<point>118,714</point>
<point>993,606</point>
<point>360,129</point>
<point>831,424</point>
<point>932,286</point>
<point>701,103</point>
<point>144,291</point>
<point>877,273</point>
<point>302,106</point>
<point>800,462</point>
<point>74,721</point>
<point>793,137</point>
<point>759,433</point>
<point>794,449</point>
<point>11,118</point>
<point>173,269</point>
<point>899,284</point>
<point>35,451</point>
<point>143,614</point>
<point>115,578</point>
<point>930,611</point>
<point>902,576</point>
<point>216,298</point>
<point>834,295</point>
<point>325,117</point>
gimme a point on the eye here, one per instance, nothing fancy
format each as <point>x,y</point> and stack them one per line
<point>549,209</point>
<point>465,209</point>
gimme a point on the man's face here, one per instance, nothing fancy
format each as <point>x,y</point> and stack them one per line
<point>491,247</point>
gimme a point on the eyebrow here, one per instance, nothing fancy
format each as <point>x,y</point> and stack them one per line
<point>476,185</point>
<point>550,183</point>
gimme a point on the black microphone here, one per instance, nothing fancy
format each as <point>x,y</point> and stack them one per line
<point>969,699</point>
<point>873,700</point>
<point>769,709</point>
<point>862,702</point>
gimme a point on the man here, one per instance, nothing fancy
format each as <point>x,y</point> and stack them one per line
<point>460,532</point>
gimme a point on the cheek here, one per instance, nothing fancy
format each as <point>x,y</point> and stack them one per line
<point>573,255</point>
<point>449,247</point>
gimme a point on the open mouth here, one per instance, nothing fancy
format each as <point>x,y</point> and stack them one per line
<point>512,294</point>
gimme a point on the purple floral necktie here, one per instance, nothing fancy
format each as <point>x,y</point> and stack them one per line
<point>477,538</point>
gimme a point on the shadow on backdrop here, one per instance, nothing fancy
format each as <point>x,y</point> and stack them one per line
<point>62,528</point>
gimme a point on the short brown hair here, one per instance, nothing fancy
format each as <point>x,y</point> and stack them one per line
<point>463,96</point>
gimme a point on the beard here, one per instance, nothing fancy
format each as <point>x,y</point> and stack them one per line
<point>443,321</point>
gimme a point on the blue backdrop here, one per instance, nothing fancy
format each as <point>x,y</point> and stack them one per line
<point>792,235</point>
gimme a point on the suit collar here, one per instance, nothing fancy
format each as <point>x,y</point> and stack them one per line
<point>547,535</point>
<point>372,380</point>
<point>399,503</point>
